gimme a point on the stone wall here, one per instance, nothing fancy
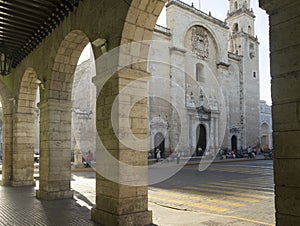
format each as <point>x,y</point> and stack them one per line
<point>84,109</point>
<point>228,81</point>
<point>285,70</point>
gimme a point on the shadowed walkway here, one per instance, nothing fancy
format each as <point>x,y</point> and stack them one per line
<point>18,206</point>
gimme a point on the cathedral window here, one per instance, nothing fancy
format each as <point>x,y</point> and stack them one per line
<point>254,74</point>
<point>235,27</point>
<point>249,30</point>
<point>251,46</point>
<point>200,73</point>
<point>235,5</point>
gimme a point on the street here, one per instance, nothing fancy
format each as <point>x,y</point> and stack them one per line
<point>227,193</point>
<point>241,193</point>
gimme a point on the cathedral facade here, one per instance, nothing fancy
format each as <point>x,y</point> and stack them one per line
<point>203,89</point>
<point>204,86</point>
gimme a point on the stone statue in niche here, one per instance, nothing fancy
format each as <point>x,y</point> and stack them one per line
<point>200,42</point>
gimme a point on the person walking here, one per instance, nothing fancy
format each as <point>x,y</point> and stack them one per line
<point>89,159</point>
<point>249,151</point>
<point>158,155</point>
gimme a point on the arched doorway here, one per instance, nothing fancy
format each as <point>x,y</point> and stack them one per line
<point>201,140</point>
<point>159,142</point>
<point>264,140</point>
<point>233,142</point>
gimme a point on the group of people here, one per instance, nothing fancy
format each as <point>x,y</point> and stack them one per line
<point>251,152</point>
<point>231,154</point>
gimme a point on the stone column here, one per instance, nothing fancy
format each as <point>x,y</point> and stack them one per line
<point>55,150</point>
<point>121,189</point>
<point>7,149</point>
<point>23,151</point>
<point>285,69</point>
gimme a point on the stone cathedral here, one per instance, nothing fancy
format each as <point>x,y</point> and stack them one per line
<point>204,86</point>
<point>203,89</point>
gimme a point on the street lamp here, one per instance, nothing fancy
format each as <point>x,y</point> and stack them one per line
<point>6,60</point>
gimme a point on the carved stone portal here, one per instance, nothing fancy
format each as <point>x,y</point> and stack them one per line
<point>200,42</point>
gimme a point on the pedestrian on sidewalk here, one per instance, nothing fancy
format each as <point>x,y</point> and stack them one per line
<point>89,158</point>
<point>158,155</point>
<point>178,157</point>
<point>249,151</point>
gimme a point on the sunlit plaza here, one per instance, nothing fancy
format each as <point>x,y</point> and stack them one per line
<point>149,112</point>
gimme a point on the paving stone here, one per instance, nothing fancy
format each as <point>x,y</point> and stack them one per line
<point>19,207</point>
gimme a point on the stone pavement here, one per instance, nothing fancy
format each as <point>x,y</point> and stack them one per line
<point>19,206</point>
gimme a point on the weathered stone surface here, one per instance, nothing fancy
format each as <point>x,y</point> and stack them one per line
<point>106,218</point>
<point>284,33</point>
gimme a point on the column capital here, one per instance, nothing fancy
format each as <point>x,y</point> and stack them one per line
<point>53,103</point>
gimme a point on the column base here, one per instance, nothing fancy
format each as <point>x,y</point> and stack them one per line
<point>44,195</point>
<point>106,219</point>
<point>5,182</point>
<point>23,183</point>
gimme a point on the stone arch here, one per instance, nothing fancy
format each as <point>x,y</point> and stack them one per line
<point>24,135</point>
<point>7,102</point>
<point>139,24</point>
<point>210,33</point>
<point>265,132</point>
<point>200,75</point>
<point>65,62</point>
<point>6,98</point>
<point>202,141</point>
<point>55,119</point>
<point>235,27</point>
<point>27,92</point>
<point>159,142</point>
<point>234,143</point>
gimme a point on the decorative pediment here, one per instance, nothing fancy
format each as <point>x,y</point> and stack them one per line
<point>157,121</point>
<point>200,42</point>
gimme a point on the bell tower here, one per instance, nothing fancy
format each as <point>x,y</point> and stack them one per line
<point>240,20</point>
<point>243,42</point>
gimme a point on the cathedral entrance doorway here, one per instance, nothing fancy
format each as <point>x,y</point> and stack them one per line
<point>159,142</point>
<point>233,143</point>
<point>201,140</point>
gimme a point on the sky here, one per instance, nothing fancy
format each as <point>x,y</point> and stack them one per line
<point>219,9</point>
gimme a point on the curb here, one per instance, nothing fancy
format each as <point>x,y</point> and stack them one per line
<point>200,162</point>
<point>220,161</point>
<point>76,170</point>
